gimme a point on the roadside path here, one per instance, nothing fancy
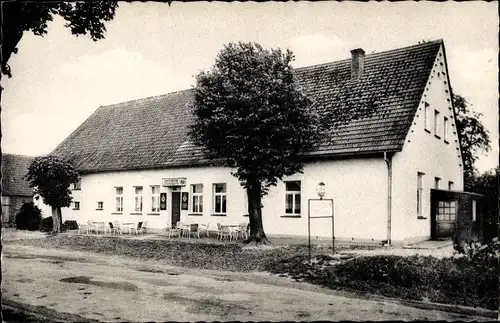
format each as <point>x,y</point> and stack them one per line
<point>117,288</point>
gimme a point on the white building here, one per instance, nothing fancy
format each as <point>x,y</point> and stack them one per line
<point>379,169</point>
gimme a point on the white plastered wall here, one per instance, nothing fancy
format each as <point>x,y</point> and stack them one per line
<point>427,153</point>
<point>357,186</point>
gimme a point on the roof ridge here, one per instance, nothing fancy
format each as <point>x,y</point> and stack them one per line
<point>439,40</point>
<point>19,155</point>
<point>146,98</point>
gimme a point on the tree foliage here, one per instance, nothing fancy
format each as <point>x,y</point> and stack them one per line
<point>82,17</point>
<point>251,115</point>
<point>487,184</point>
<point>51,177</point>
<point>474,137</point>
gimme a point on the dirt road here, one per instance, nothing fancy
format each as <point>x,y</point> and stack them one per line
<point>112,288</point>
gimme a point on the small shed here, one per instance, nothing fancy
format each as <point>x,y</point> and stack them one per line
<point>456,215</point>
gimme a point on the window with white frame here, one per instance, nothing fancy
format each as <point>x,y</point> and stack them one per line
<point>197,198</point>
<point>220,204</point>
<point>76,205</point>
<point>245,204</point>
<point>436,122</point>
<point>420,191</point>
<point>474,210</point>
<point>138,199</point>
<point>445,129</point>
<point>451,186</point>
<point>119,199</point>
<point>292,198</point>
<point>426,116</point>
<point>100,205</point>
<point>77,185</point>
<point>155,198</point>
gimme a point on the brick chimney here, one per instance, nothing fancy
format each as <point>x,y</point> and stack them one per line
<point>357,63</point>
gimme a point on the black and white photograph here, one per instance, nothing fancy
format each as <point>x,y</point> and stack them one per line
<point>249,161</point>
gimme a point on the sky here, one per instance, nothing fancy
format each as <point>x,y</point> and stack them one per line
<point>59,80</point>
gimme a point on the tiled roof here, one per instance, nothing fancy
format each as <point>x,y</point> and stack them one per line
<point>152,132</point>
<point>14,167</point>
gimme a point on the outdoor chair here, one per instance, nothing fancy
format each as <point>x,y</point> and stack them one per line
<point>205,227</point>
<point>92,227</point>
<point>144,228</point>
<point>225,232</point>
<point>82,227</point>
<point>172,231</point>
<point>137,228</point>
<point>113,228</point>
<point>186,230</point>
<point>194,228</point>
<point>117,227</point>
<point>101,227</point>
<point>243,231</point>
<point>219,230</point>
<point>234,232</point>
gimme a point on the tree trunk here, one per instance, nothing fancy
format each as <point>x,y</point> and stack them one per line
<point>257,234</point>
<point>56,220</point>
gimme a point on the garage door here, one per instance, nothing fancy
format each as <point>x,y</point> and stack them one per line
<point>446,218</point>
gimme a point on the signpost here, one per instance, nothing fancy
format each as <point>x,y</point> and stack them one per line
<point>321,209</point>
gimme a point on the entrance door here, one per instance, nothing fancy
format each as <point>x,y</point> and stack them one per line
<point>176,207</point>
<point>446,217</point>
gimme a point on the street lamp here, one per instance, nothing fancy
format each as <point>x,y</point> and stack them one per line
<point>321,190</point>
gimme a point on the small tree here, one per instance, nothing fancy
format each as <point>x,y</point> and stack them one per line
<point>252,116</point>
<point>474,137</point>
<point>51,178</point>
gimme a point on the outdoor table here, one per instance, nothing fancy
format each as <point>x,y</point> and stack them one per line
<point>128,226</point>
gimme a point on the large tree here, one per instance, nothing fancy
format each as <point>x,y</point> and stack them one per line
<point>474,137</point>
<point>252,116</point>
<point>83,17</point>
<point>51,177</point>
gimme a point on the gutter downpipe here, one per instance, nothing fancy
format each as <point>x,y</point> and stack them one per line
<point>388,160</point>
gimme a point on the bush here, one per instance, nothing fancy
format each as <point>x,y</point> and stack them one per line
<point>69,225</point>
<point>471,280</point>
<point>28,217</point>
<point>47,224</point>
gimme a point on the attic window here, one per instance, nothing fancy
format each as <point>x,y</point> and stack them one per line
<point>426,116</point>
<point>77,185</point>
<point>436,123</point>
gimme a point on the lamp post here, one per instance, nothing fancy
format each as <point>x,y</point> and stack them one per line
<point>321,190</point>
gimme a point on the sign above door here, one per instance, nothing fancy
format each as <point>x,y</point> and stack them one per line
<point>176,181</point>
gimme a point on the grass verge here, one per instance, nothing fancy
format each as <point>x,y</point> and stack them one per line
<point>457,281</point>
<point>200,254</point>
